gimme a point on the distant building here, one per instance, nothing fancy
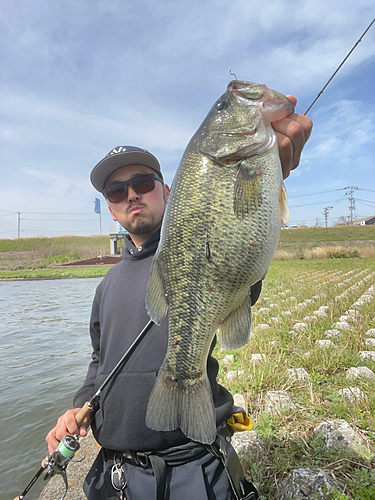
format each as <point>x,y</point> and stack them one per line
<point>366,221</point>
<point>116,233</point>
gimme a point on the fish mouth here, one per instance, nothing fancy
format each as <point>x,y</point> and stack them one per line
<point>238,134</point>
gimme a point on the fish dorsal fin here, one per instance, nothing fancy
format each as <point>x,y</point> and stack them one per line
<point>156,300</point>
<point>247,189</point>
<point>283,201</point>
<point>234,331</point>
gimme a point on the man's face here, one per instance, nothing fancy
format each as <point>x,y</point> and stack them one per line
<point>140,214</point>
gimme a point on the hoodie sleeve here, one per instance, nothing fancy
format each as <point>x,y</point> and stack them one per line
<point>86,392</point>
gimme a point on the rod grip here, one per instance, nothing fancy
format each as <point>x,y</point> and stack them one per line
<point>83,413</point>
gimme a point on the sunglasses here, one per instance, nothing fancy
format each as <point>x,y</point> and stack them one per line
<point>141,184</point>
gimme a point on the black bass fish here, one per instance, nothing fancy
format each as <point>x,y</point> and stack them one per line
<point>219,235</point>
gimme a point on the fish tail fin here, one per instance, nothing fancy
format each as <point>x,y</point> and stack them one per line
<point>283,201</point>
<point>156,302</point>
<point>234,331</point>
<point>187,405</point>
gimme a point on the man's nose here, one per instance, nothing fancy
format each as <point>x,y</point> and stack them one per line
<point>132,195</point>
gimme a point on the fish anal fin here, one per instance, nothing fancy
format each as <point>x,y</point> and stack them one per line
<point>283,201</point>
<point>156,300</point>
<point>183,404</point>
<point>247,189</point>
<point>234,331</point>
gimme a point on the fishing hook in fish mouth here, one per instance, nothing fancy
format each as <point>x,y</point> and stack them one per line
<point>232,74</point>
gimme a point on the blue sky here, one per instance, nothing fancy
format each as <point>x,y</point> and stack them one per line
<point>79,78</point>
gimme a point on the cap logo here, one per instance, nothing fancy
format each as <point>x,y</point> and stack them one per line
<point>123,149</point>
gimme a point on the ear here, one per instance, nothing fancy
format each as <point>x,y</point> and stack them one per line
<point>113,215</point>
<point>166,191</point>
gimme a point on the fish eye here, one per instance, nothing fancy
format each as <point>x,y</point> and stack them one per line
<point>255,93</point>
<point>221,105</point>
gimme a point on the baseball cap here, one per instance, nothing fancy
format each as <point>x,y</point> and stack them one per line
<point>120,157</point>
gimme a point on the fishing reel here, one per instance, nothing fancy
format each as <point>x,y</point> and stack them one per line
<point>56,463</point>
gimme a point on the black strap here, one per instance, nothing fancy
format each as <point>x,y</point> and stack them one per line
<point>160,471</point>
<point>243,489</point>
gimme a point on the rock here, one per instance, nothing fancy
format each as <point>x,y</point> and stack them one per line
<point>305,484</point>
<point>278,400</point>
<point>360,371</point>
<point>262,326</point>
<point>249,445</point>
<point>258,358</point>
<point>370,342</point>
<point>352,394</point>
<point>325,344</point>
<point>310,319</point>
<point>239,400</point>
<point>339,433</point>
<point>300,327</point>
<point>229,358</point>
<point>274,343</point>
<point>234,374</point>
<point>353,314</point>
<point>298,375</point>
<point>321,314</point>
<point>263,309</point>
<point>370,332</point>
<point>343,326</point>
<point>334,334</point>
<point>367,355</point>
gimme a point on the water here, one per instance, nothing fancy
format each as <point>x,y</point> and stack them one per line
<point>44,354</point>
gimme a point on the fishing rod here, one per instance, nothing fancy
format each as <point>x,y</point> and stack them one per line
<point>58,460</point>
<point>344,60</point>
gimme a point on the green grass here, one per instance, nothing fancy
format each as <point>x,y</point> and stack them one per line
<point>43,253</point>
<point>40,274</point>
<point>302,287</point>
<point>35,244</point>
<point>327,234</point>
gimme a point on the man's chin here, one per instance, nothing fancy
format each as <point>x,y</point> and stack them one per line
<point>141,228</point>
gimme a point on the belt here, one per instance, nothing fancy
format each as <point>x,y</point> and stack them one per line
<point>179,455</point>
<point>158,460</point>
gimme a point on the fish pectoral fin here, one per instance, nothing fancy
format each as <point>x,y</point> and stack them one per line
<point>234,331</point>
<point>156,300</point>
<point>247,189</point>
<point>185,404</point>
<point>283,201</point>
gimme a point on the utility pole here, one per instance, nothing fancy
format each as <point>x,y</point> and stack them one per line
<point>351,201</point>
<point>326,213</point>
<point>19,224</point>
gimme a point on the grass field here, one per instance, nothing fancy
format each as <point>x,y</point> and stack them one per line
<point>315,294</point>
<point>38,256</point>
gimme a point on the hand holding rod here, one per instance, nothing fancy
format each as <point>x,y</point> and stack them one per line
<point>87,409</point>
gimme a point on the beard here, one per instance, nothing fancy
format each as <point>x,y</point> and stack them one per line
<point>141,225</point>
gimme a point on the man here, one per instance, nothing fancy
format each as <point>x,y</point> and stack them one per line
<point>136,462</point>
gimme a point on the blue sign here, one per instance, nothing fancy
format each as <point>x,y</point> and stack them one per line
<point>97,206</point>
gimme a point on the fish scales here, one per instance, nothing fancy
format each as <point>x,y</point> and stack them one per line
<point>219,234</point>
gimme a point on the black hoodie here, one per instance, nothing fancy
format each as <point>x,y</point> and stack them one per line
<point>118,315</point>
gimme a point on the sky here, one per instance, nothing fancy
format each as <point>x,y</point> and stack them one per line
<point>82,77</point>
